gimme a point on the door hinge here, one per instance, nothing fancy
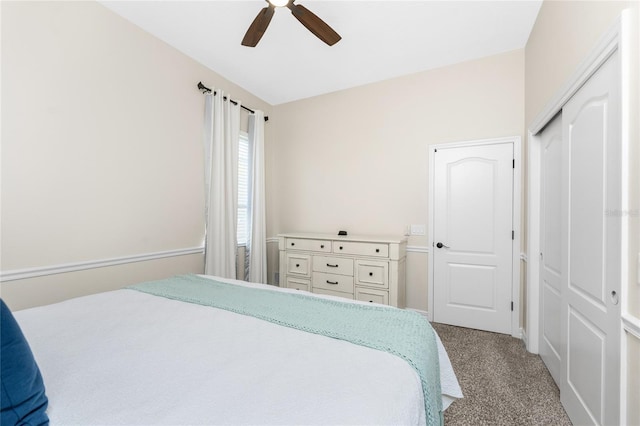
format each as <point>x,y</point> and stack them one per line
<point>514,163</point>
<point>511,306</point>
<point>513,235</point>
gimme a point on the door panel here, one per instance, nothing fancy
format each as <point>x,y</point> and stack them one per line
<point>590,389</point>
<point>585,366</point>
<point>551,346</point>
<point>471,233</point>
<point>472,286</point>
<point>473,205</point>
<point>586,233</point>
<point>552,337</point>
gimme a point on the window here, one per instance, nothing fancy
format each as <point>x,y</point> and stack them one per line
<point>243,189</point>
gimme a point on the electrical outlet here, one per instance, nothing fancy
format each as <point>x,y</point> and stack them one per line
<point>418,230</point>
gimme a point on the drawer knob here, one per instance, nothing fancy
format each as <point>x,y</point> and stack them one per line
<point>377,250</point>
<point>293,244</point>
<point>370,274</point>
<point>321,245</point>
<point>297,265</point>
<point>340,247</point>
<point>332,266</point>
<point>370,301</point>
<point>332,282</point>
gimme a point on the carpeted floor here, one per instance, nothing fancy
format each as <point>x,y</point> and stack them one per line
<point>502,383</point>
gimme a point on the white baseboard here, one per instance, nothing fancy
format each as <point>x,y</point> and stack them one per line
<point>425,314</point>
<point>523,336</point>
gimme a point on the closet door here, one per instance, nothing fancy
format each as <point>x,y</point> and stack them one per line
<point>551,345</point>
<point>590,389</point>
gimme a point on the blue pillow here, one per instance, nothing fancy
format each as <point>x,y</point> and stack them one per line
<point>23,399</point>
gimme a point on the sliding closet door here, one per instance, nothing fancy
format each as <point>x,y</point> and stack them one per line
<point>552,246</point>
<point>590,308</point>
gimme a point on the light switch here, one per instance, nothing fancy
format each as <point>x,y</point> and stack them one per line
<point>418,229</point>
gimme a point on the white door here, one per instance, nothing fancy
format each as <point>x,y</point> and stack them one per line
<point>551,244</point>
<point>472,235</point>
<point>590,389</point>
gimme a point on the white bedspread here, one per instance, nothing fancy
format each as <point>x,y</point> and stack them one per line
<point>126,357</point>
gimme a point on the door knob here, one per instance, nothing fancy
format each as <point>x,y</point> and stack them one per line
<point>440,245</point>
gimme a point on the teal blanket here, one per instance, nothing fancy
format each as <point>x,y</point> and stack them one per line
<point>402,333</point>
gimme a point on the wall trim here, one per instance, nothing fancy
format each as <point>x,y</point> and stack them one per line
<point>22,274</point>
<point>272,240</point>
<point>425,314</point>
<point>631,325</point>
<point>417,249</point>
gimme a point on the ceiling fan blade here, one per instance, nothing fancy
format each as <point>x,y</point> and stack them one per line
<point>314,24</point>
<point>258,27</point>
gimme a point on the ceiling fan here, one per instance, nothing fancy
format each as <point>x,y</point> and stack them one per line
<point>314,24</point>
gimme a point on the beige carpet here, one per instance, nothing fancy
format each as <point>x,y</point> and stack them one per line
<point>502,383</point>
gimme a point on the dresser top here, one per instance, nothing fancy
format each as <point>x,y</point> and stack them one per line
<point>362,238</point>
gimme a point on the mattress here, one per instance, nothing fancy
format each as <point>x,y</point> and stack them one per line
<point>126,357</point>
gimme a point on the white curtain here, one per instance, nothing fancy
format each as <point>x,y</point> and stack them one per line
<point>256,250</point>
<point>221,133</point>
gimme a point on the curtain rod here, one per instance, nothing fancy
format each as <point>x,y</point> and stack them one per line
<point>205,89</point>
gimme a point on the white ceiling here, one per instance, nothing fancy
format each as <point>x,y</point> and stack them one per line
<point>380,39</point>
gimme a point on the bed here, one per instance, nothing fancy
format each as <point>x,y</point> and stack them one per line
<point>153,355</point>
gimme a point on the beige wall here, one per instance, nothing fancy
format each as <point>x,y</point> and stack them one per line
<point>101,148</point>
<point>563,35</point>
<point>357,159</point>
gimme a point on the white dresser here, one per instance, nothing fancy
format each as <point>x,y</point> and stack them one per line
<point>367,268</point>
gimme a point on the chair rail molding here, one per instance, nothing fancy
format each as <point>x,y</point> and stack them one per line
<point>417,249</point>
<point>40,271</point>
<point>631,325</point>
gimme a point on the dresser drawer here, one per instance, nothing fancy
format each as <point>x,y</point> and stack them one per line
<point>371,295</point>
<point>372,273</point>
<point>333,293</point>
<point>333,265</point>
<point>308,245</point>
<point>298,264</point>
<point>361,249</point>
<point>332,282</point>
<point>298,284</point>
